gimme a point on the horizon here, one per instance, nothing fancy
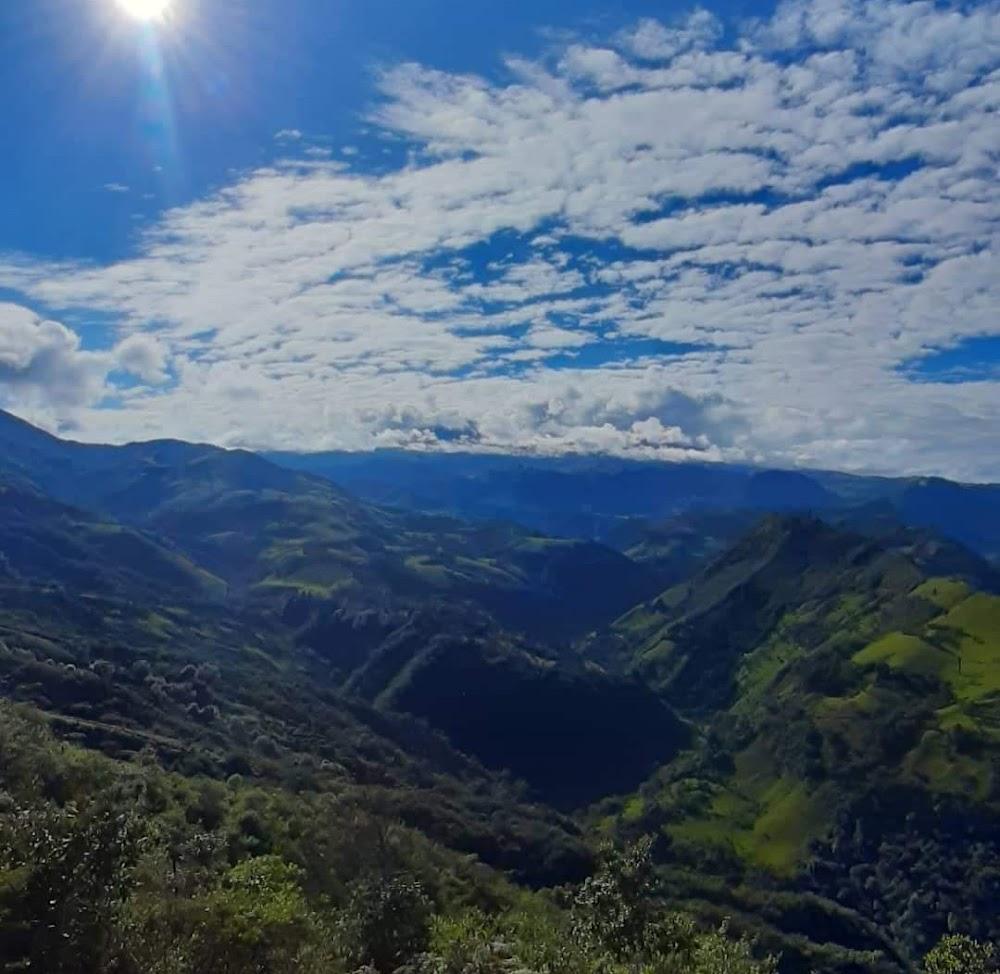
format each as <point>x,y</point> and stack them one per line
<point>735,232</point>
<point>541,459</point>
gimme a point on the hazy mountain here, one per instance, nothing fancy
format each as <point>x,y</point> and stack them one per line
<point>295,555</point>
<point>592,496</point>
<point>46,542</point>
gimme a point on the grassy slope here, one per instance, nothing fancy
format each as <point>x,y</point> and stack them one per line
<point>768,812</point>
<point>44,541</point>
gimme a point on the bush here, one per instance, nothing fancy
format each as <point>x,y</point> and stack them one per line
<point>385,923</point>
<point>958,954</point>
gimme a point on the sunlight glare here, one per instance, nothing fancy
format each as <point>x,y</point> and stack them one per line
<point>147,10</point>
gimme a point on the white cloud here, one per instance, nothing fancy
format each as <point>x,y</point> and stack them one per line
<point>809,207</point>
<point>41,360</point>
<point>144,357</point>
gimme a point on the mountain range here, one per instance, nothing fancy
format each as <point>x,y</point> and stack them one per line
<point>586,496</point>
<point>791,678</point>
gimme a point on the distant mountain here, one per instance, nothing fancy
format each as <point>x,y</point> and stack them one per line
<point>791,678</point>
<point>593,496</point>
<point>787,490</point>
<point>969,513</point>
<point>677,548</point>
<point>296,556</point>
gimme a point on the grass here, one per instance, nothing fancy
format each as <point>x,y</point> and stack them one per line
<point>903,651</point>
<point>961,647</point>
<point>935,762</point>
<point>760,668</point>
<point>976,621</point>
<point>158,625</point>
<point>659,651</point>
<point>297,585</point>
<point>772,831</point>
<point>960,650</point>
<point>634,809</point>
<point>767,815</point>
<point>767,818</point>
<point>789,820</point>
<point>489,569</point>
<point>942,592</point>
<point>429,570</point>
<point>640,623</point>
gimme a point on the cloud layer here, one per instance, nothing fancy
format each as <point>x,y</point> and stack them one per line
<point>661,243</point>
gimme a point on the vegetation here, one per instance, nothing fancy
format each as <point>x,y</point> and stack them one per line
<point>260,725</point>
<point>106,866</point>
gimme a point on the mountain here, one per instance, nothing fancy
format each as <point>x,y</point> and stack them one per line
<point>594,496</point>
<point>44,541</point>
<point>677,548</point>
<point>268,532</point>
<point>849,706</point>
<point>212,543</point>
<point>787,490</point>
<point>966,512</point>
<point>689,641</point>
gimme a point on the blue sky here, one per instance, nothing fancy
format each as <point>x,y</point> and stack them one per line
<point>734,231</point>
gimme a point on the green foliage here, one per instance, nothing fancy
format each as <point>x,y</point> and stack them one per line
<point>270,808</point>
<point>385,921</point>
<point>152,873</point>
<point>617,914</point>
<point>614,907</point>
<point>64,874</point>
<point>959,954</point>
<point>254,917</point>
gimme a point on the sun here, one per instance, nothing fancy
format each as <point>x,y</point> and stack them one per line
<point>147,10</point>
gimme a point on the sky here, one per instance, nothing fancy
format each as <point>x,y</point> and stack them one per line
<point>740,231</point>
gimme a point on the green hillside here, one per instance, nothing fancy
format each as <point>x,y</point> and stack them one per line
<point>790,577</point>
<point>841,685</point>
<point>575,733</point>
<point>47,542</point>
<point>270,533</point>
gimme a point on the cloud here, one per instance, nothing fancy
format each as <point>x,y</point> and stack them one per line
<point>143,357</point>
<point>689,239</point>
<point>42,360</point>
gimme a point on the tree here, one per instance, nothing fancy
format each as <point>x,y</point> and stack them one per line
<point>64,875</point>
<point>385,923</point>
<point>614,909</point>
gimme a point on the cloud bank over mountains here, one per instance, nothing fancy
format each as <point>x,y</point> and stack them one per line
<point>727,241</point>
